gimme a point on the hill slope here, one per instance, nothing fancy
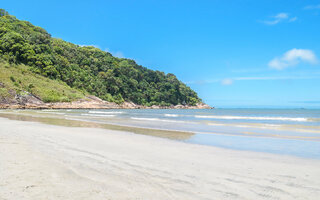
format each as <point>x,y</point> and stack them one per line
<point>17,83</point>
<point>87,69</point>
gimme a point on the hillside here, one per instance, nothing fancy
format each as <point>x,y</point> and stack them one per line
<point>76,70</point>
<point>18,82</point>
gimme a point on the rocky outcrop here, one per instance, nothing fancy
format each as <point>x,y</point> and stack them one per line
<point>29,101</point>
<point>197,106</point>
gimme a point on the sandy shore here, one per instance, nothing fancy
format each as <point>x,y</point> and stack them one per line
<point>39,161</point>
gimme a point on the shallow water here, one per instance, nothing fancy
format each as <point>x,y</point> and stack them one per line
<point>281,131</point>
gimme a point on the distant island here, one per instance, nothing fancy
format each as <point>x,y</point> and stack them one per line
<point>38,71</point>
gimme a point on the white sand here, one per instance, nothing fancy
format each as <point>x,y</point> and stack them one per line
<point>39,161</point>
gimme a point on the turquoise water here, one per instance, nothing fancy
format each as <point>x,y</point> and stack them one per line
<point>281,131</point>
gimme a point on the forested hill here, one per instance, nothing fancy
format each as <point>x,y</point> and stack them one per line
<point>88,69</point>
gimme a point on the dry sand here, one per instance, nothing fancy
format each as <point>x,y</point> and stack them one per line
<point>39,161</point>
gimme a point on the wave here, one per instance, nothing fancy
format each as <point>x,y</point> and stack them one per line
<point>51,112</point>
<point>253,125</point>
<point>104,112</point>
<point>216,124</point>
<point>171,115</point>
<point>148,119</point>
<point>93,115</point>
<point>157,119</point>
<point>299,119</point>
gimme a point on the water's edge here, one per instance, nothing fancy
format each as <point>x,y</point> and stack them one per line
<point>294,133</point>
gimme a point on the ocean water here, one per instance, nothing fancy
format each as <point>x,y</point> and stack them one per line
<point>281,131</point>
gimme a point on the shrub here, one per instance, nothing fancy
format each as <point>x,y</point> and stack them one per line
<point>4,92</point>
<point>12,79</point>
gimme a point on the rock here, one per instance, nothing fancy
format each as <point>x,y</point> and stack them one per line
<point>203,106</point>
<point>155,107</point>
<point>28,98</point>
<point>29,101</point>
<point>179,107</point>
<point>128,105</point>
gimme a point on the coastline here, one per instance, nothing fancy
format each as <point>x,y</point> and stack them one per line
<point>45,161</point>
<point>90,102</point>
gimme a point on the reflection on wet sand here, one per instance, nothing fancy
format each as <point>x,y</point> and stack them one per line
<point>47,119</point>
<point>74,119</point>
<point>311,138</point>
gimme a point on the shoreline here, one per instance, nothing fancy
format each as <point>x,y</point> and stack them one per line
<point>41,161</point>
<point>90,102</point>
<point>275,140</point>
<point>65,105</point>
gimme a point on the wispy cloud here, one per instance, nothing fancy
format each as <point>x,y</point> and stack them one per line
<point>306,102</point>
<point>312,7</point>
<point>118,54</point>
<point>293,19</point>
<point>280,17</point>
<point>274,78</point>
<point>293,57</point>
<point>229,81</point>
<point>249,70</point>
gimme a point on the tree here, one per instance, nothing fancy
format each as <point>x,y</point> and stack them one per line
<point>3,12</point>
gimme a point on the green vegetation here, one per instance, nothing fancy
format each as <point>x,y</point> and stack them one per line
<point>3,12</point>
<point>22,81</point>
<point>87,69</point>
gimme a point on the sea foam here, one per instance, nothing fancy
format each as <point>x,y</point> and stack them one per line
<point>159,120</point>
<point>94,115</point>
<point>171,115</point>
<point>299,119</point>
<point>106,112</point>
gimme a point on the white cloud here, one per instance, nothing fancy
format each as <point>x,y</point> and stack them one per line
<point>293,57</point>
<point>281,17</point>
<point>312,7</point>
<point>227,81</point>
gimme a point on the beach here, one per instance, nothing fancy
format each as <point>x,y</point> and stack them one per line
<point>41,161</point>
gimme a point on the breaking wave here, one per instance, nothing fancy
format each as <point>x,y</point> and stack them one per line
<point>94,115</point>
<point>298,119</point>
<point>105,112</point>
<point>157,119</point>
<point>171,115</point>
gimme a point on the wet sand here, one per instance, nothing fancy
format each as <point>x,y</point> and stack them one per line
<point>41,161</point>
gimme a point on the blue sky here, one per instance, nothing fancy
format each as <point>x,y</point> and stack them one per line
<point>245,53</point>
